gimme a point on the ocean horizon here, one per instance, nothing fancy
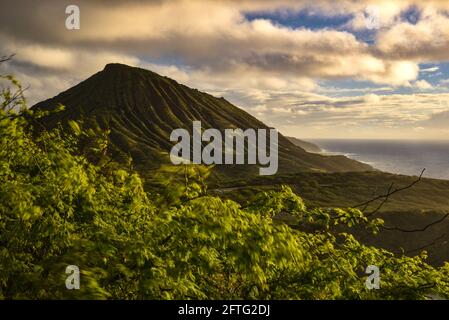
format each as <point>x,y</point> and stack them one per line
<point>407,157</point>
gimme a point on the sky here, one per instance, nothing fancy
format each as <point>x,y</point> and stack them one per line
<point>312,69</point>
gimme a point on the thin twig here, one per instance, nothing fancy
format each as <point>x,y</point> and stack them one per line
<point>6,58</point>
<point>416,230</point>
<point>388,194</point>
<point>427,245</point>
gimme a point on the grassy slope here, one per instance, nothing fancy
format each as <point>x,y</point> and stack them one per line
<point>142,108</point>
<point>411,209</point>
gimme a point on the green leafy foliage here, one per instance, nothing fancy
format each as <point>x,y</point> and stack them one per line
<point>58,208</point>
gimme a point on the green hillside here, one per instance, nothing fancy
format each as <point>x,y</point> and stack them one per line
<point>141,108</point>
<point>416,208</point>
<point>181,241</point>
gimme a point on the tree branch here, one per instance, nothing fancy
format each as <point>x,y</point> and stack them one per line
<point>386,196</point>
<point>427,245</point>
<point>6,58</point>
<point>416,230</point>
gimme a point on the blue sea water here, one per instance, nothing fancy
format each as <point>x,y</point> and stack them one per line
<point>395,156</point>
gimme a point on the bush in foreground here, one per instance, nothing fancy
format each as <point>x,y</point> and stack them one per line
<point>59,209</point>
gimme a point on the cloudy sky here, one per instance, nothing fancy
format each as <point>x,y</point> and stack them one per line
<point>313,69</point>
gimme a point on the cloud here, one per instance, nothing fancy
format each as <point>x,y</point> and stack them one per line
<point>274,71</point>
<point>427,40</point>
<point>371,115</point>
<point>422,85</point>
<point>221,43</point>
<point>375,14</point>
<point>46,57</point>
<point>437,120</point>
<point>429,70</point>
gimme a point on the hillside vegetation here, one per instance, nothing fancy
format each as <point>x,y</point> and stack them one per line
<point>141,108</point>
<point>59,209</point>
<point>136,109</point>
<point>61,205</point>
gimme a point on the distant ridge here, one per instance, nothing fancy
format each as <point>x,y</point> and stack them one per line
<point>307,146</point>
<point>141,108</point>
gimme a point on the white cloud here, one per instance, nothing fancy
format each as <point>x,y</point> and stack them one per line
<point>437,120</point>
<point>274,71</point>
<point>429,70</point>
<point>223,43</point>
<point>422,85</point>
<point>372,98</point>
<point>426,41</point>
<point>46,56</point>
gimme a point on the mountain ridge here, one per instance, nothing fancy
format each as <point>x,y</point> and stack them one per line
<point>138,113</point>
<point>306,145</point>
<point>141,108</point>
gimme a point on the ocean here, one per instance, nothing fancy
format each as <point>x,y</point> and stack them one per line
<point>395,156</point>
